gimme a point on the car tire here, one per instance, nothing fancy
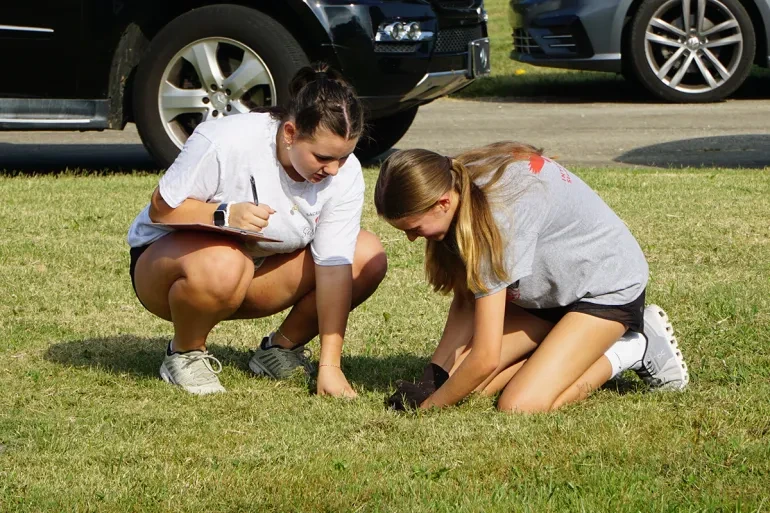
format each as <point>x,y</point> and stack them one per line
<point>690,62</point>
<point>206,43</point>
<point>383,133</point>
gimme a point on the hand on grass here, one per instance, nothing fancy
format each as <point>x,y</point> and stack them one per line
<point>331,381</point>
<point>409,396</point>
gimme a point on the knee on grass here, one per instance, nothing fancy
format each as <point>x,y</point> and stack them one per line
<point>524,402</point>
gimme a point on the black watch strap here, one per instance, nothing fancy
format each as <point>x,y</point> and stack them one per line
<point>220,214</point>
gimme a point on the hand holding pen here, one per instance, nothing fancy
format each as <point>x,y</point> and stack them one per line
<point>250,216</point>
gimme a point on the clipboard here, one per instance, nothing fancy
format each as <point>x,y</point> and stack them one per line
<point>245,235</point>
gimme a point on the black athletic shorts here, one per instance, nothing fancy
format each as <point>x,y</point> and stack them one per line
<point>631,315</point>
<point>135,254</point>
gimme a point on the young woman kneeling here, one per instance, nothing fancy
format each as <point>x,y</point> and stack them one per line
<point>548,282</point>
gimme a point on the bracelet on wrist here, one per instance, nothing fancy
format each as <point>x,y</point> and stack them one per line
<point>329,365</point>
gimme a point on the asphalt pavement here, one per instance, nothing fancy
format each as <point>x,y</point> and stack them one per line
<point>734,133</point>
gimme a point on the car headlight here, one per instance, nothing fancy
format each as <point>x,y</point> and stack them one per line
<point>402,31</point>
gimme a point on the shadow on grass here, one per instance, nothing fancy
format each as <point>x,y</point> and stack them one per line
<point>565,87</point>
<point>379,373</point>
<point>587,87</point>
<point>29,159</point>
<point>141,357</point>
<point>622,385</point>
<point>125,354</point>
<point>128,354</point>
<point>734,151</point>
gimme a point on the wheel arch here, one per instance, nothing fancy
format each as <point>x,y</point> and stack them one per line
<point>138,30</point>
<point>623,20</point>
<point>760,20</point>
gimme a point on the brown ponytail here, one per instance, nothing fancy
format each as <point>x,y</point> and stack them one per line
<point>320,97</point>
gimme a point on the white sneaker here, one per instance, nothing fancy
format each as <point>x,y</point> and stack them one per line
<point>662,365</point>
<point>192,370</point>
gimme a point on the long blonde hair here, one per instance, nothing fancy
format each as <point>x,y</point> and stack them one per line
<point>412,181</point>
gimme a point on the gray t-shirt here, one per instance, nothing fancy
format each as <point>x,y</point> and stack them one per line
<point>562,243</point>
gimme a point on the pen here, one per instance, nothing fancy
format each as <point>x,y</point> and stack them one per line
<point>254,191</point>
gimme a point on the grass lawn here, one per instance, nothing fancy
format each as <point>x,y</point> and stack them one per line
<point>86,425</point>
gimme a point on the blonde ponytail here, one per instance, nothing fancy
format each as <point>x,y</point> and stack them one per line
<point>477,235</point>
<point>412,181</point>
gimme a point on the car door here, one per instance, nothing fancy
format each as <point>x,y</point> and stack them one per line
<point>39,42</point>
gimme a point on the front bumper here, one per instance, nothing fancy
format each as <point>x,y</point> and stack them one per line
<point>441,83</point>
<point>582,34</point>
<point>393,76</point>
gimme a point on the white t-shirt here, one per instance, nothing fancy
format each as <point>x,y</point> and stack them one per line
<point>215,166</point>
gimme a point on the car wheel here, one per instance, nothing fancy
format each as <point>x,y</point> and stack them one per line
<point>383,133</point>
<point>692,50</point>
<point>207,64</point>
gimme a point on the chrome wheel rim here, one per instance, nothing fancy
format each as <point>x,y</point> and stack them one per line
<point>693,46</point>
<point>210,79</point>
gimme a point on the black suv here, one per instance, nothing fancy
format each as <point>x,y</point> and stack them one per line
<point>168,65</point>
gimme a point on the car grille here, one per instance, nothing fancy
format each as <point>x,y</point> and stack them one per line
<point>560,41</point>
<point>524,43</point>
<point>395,47</point>
<point>456,40</point>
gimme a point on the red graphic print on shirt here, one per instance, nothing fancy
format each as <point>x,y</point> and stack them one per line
<point>536,163</point>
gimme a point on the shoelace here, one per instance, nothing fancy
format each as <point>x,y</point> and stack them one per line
<point>205,358</point>
<point>304,354</point>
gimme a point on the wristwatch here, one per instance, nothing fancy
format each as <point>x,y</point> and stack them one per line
<point>222,214</point>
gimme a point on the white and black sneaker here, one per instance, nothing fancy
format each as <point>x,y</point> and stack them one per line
<point>193,371</point>
<point>662,366</point>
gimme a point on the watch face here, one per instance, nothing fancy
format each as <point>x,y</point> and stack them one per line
<point>219,217</point>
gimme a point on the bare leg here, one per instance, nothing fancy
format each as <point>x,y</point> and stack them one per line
<point>593,378</point>
<point>522,334</point>
<point>193,280</point>
<point>286,280</point>
<point>567,365</point>
<point>197,280</point>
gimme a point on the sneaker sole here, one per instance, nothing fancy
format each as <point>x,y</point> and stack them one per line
<point>165,375</point>
<point>660,326</point>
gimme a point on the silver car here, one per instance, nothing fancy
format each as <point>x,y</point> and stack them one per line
<point>680,50</point>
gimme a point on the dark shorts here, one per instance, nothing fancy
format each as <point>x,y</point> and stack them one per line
<point>631,315</point>
<point>135,254</point>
